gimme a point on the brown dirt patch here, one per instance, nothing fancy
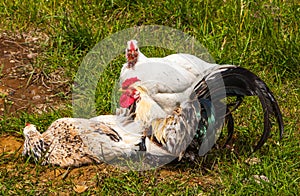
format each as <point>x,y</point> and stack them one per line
<point>24,87</point>
<point>85,178</point>
<point>10,144</point>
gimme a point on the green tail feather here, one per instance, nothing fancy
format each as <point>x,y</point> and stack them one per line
<point>206,130</point>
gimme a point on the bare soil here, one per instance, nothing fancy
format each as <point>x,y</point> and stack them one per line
<point>85,178</point>
<point>24,87</point>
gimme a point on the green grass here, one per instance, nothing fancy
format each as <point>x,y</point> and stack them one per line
<point>262,36</point>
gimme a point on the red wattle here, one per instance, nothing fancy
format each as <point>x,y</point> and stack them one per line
<point>126,101</point>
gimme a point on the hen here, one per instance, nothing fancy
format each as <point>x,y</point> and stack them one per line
<point>77,141</point>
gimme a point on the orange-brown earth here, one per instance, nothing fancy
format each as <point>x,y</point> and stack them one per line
<point>85,178</point>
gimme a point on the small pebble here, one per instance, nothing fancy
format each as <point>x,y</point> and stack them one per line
<point>36,97</point>
<point>31,55</point>
<point>35,39</point>
<point>252,161</point>
<point>33,92</point>
<point>80,188</point>
<point>259,178</point>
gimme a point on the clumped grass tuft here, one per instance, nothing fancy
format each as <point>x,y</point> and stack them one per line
<point>262,36</point>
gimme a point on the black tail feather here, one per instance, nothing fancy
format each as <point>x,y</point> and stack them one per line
<point>230,126</point>
<point>240,82</point>
<point>250,84</point>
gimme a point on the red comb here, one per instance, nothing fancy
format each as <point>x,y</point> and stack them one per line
<point>27,124</point>
<point>129,81</point>
<point>132,45</point>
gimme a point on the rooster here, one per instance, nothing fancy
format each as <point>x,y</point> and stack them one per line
<point>170,81</point>
<point>172,131</point>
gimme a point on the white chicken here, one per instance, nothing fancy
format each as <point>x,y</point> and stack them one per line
<point>171,80</point>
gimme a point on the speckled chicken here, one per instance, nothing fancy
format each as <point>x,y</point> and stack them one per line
<point>77,141</point>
